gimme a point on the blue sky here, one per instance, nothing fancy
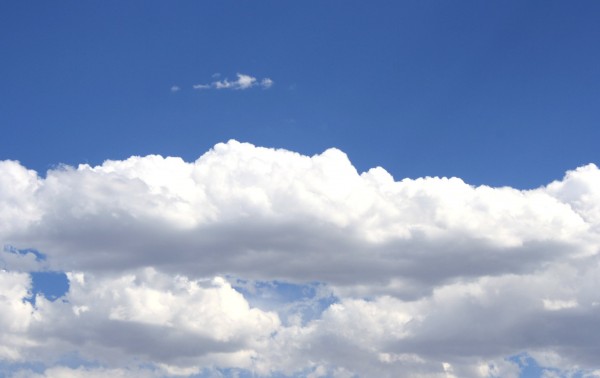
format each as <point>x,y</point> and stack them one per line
<point>502,93</point>
<point>257,252</point>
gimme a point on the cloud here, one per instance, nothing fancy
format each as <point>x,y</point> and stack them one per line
<point>173,321</point>
<point>81,372</point>
<point>266,83</point>
<point>243,82</point>
<point>175,88</point>
<point>265,260</point>
<point>360,231</point>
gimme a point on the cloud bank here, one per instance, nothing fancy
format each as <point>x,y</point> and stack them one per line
<point>261,261</point>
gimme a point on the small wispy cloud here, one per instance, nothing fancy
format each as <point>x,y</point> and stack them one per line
<point>242,82</point>
<point>175,88</point>
<point>266,83</point>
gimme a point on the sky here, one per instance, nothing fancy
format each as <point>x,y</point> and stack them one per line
<point>299,189</point>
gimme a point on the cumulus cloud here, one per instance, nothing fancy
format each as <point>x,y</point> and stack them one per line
<point>170,320</point>
<point>269,261</point>
<point>242,82</point>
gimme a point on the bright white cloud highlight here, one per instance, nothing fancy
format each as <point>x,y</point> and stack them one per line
<point>431,277</point>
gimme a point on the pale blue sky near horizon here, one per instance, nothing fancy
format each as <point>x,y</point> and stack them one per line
<point>497,93</point>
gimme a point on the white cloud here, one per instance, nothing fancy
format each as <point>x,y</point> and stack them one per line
<point>16,315</point>
<point>341,227</point>
<point>17,186</point>
<point>266,83</point>
<point>175,88</point>
<point>432,276</point>
<point>243,82</point>
<point>170,320</point>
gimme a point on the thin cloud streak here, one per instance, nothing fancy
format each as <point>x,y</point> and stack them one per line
<point>242,82</point>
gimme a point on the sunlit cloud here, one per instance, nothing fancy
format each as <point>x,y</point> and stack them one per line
<point>271,262</point>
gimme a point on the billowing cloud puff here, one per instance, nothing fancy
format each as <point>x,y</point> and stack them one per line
<point>170,265</point>
<point>15,316</point>
<point>171,320</point>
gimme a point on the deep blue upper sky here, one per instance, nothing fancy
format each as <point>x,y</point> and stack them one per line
<point>499,93</point>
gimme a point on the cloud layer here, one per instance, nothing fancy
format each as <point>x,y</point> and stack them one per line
<point>169,264</point>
